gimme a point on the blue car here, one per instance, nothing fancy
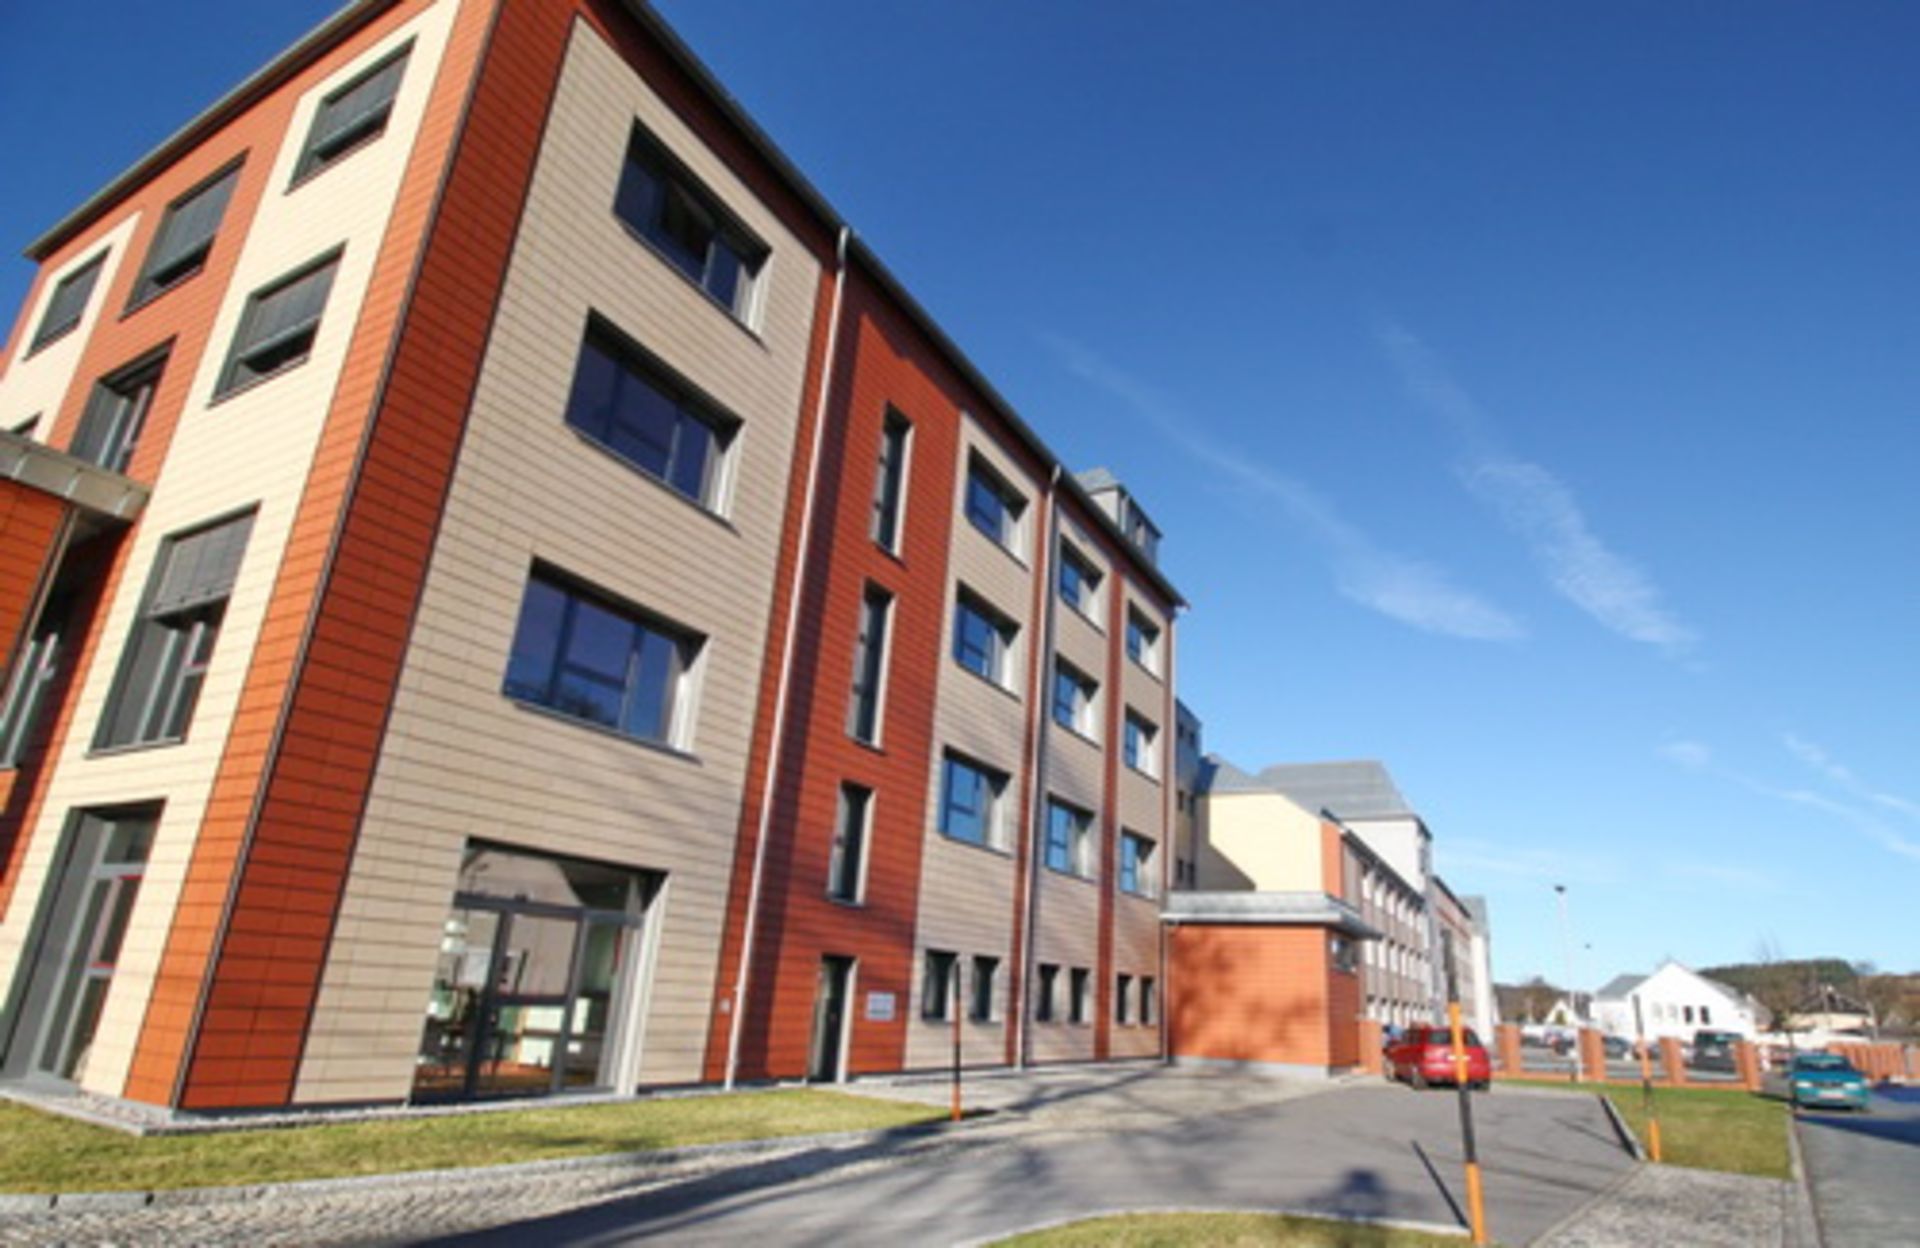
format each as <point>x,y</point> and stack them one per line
<point>1819,1080</point>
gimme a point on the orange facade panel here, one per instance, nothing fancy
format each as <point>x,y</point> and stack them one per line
<point>1261,995</point>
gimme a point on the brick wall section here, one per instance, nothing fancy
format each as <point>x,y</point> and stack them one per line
<point>1343,1011</point>
<point>1593,1055</point>
<point>881,362</point>
<point>1506,1056</point>
<point>1672,1066</point>
<point>364,526</point>
<point>1256,994</point>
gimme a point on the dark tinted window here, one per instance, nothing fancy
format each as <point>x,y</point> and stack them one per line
<point>279,326</point>
<point>352,116</point>
<point>635,409</point>
<point>69,302</point>
<point>185,236</point>
<point>687,226</point>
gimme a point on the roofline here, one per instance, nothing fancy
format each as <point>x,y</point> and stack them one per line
<point>308,48</point>
<point>359,13</point>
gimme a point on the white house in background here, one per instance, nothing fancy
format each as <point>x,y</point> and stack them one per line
<point>1675,1001</point>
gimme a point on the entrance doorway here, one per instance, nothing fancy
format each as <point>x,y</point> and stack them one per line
<point>830,1002</point>
<point>532,990</point>
<point>82,927</point>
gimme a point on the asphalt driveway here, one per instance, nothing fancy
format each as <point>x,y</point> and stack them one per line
<point>1861,1168</point>
<point>1147,1139</point>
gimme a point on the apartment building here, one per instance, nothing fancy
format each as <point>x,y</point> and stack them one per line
<point>504,593</point>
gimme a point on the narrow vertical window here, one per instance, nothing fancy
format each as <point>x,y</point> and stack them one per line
<point>1045,988</point>
<point>1078,581</point>
<point>115,415</point>
<point>1147,1003</point>
<point>970,801</point>
<point>1136,864</point>
<point>1069,839</point>
<point>937,985</point>
<point>1139,744</point>
<point>986,973</point>
<point>69,303</point>
<point>352,116</point>
<point>278,327</point>
<point>185,237</point>
<point>847,866</point>
<point>1078,980</point>
<point>870,665</point>
<point>1143,641</point>
<point>890,481</point>
<point>994,507</point>
<point>166,658</point>
<point>1073,695</point>
<point>1123,999</point>
<point>982,639</point>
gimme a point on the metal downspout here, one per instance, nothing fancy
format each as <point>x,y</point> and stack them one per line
<point>787,647</point>
<point>1037,768</point>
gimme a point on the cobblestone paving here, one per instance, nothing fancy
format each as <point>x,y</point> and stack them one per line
<point>1698,1208</point>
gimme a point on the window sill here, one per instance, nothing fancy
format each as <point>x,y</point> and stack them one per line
<point>998,851</point>
<point>1138,895</point>
<point>1151,673</point>
<point>133,747</point>
<point>1144,774</point>
<point>1076,734</point>
<point>847,903</point>
<point>1009,551</point>
<point>990,682</point>
<point>1089,618</point>
<point>872,747</point>
<point>222,396</point>
<point>141,304</point>
<point>759,294</point>
<point>601,730</point>
<point>601,448</point>
<point>1072,875</point>
<point>319,168</point>
<point>41,344</point>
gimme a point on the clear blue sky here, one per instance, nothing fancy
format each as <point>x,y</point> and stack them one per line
<point>1527,392</point>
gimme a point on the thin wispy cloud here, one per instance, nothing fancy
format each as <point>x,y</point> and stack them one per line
<point>1543,864</point>
<point>1412,591</point>
<point>1844,778</point>
<point>1698,758</point>
<point>1724,875</point>
<point>1537,506</point>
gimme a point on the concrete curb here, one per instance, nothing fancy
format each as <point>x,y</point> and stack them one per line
<point>1628,1139</point>
<point>638,1164</point>
<point>1397,1224</point>
<point>1802,1211</point>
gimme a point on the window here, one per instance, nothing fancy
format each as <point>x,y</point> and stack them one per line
<point>869,665</point>
<point>982,639</point>
<point>185,237</point>
<point>1122,999</point>
<point>993,506</point>
<point>116,412</point>
<point>278,327</point>
<point>1078,581</point>
<point>1147,1003</point>
<point>938,985</point>
<point>1706,1017</point>
<point>1136,864</point>
<point>890,481</point>
<point>586,657</point>
<point>352,116</point>
<point>630,405</point>
<point>1686,1014</point>
<point>69,303</point>
<point>172,643</point>
<point>1073,694</point>
<point>1139,746</point>
<point>1342,954</point>
<point>970,802</point>
<point>682,221</point>
<point>985,973</point>
<point>1077,982</point>
<point>1069,839</point>
<point>1046,985</point>
<point>847,866</point>
<point>1143,641</point>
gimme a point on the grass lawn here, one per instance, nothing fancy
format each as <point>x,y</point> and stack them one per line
<point>1728,1129</point>
<point>45,1153</point>
<point>1233,1230</point>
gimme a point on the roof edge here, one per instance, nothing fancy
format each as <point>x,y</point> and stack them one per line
<point>320,39</point>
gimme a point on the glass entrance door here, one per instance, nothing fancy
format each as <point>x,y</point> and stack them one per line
<point>79,946</point>
<point>530,988</point>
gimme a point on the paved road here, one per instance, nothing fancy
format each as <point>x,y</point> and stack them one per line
<point>1358,1150</point>
<point>1863,1167</point>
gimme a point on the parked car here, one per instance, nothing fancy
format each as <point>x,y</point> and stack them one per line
<point>1618,1048</point>
<point>1821,1079</point>
<point>1424,1055</point>
<point>1713,1050</point>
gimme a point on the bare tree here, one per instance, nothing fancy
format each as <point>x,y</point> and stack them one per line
<point>1884,994</point>
<point>1777,987</point>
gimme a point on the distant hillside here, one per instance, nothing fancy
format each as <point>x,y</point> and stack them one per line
<point>1753,977</point>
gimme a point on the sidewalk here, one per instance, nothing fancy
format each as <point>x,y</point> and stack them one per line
<point>1698,1208</point>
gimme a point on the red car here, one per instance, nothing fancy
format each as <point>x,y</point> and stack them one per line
<point>1424,1055</point>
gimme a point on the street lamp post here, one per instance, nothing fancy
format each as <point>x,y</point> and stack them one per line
<point>1573,993</point>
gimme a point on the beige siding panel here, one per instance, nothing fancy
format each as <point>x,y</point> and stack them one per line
<point>1066,933</point>
<point>461,761</point>
<point>252,449</point>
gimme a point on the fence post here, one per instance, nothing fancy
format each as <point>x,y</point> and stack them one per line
<point>1671,1063</point>
<point>1507,1040</point>
<point>1746,1061</point>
